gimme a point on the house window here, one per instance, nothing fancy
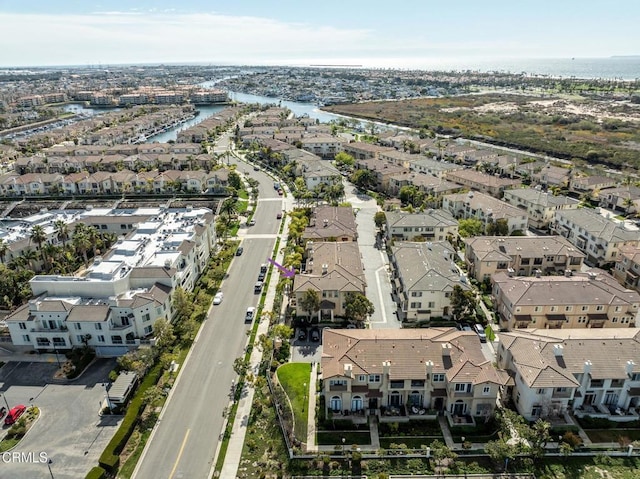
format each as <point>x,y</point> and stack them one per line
<point>100,338</point>
<point>337,382</point>
<point>438,378</point>
<point>362,378</point>
<point>540,391</point>
<point>554,309</point>
<point>22,325</point>
<point>599,307</point>
<point>357,403</point>
<point>78,326</point>
<point>537,309</point>
<point>115,339</point>
<point>335,404</point>
<point>43,341</point>
<point>585,308</point>
<point>486,390</point>
<point>432,304</point>
<point>98,326</point>
<point>26,338</point>
<point>417,383</point>
<point>461,387</point>
<point>397,384</point>
<point>374,378</point>
<point>568,308</point>
<point>536,411</point>
<point>148,330</point>
<point>416,305</point>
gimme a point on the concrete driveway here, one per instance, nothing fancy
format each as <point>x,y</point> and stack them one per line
<point>69,431</point>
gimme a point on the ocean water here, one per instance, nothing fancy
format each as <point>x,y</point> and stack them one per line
<point>621,68</point>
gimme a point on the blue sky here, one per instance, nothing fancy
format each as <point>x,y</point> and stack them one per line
<point>372,33</point>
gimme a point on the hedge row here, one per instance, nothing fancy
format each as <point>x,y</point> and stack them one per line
<point>110,458</point>
<point>96,473</point>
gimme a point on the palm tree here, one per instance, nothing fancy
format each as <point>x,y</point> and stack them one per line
<point>81,243</point>
<point>228,208</point>
<point>29,256</point>
<point>62,231</point>
<point>38,235</point>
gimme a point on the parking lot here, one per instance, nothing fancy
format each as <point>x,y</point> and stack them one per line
<point>69,431</point>
<point>306,348</point>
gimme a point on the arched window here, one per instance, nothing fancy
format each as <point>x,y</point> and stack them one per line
<point>335,404</point>
<point>356,403</point>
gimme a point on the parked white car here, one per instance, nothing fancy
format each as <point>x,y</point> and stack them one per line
<point>217,299</point>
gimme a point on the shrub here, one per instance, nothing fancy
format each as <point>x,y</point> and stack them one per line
<point>109,459</point>
<point>96,473</point>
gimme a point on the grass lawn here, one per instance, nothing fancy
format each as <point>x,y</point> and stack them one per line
<point>587,468</point>
<point>7,444</point>
<point>334,438</point>
<point>411,428</point>
<point>242,205</point>
<point>293,377</point>
<point>243,194</point>
<point>612,435</point>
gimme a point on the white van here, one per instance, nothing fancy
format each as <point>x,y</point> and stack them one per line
<point>480,331</point>
<point>248,317</point>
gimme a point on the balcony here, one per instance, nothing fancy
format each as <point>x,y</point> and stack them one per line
<point>561,394</point>
<point>337,387</point>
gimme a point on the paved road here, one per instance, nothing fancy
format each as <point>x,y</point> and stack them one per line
<point>375,261</point>
<point>185,439</point>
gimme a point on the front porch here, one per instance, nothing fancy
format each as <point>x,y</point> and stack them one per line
<point>612,413</point>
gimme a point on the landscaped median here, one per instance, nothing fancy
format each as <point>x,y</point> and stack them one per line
<point>19,429</point>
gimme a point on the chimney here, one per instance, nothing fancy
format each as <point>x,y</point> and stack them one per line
<point>629,367</point>
<point>429,368</point>
<point>348,369</point>
<point>325,269</point>
<point>587,367</point>
<point>558,350</point>
<point>386,368</point>
<point>446,350</point>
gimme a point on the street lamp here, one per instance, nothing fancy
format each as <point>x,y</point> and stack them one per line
<point>56,351</point>
<point>106,390</point>
<point>305,396</point>
<point>49,466</point>
<point>343,441</point>
<point>5,401</point>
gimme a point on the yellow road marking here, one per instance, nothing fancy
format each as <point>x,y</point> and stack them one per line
<point>175,465</point>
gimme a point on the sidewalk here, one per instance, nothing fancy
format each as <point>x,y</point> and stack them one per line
<point>239,430</point>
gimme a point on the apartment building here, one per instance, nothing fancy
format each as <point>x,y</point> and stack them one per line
<point>486,209</point>
<point>571,370</point>
<point>326,146</point>
<point>363,151</point>
<point>430,166</point>
<point>625,199</point>
<point>383,172</point>
<point>430,225</point>
<point>592,184</point>
<point>424,275</point>
<point>579,300</point>
<point>598,237</point>
<point>113,304</point>
<point>404,374</point>
<point>540,206</point>
<point>521,256</point>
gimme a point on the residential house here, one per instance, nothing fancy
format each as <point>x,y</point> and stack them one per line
<point>486,209</point>
<point>540,206</point>
<point>400,374</point>
<point>591,184</point>
<point>627,267</point>
<point>383,172</point>
<point>424,277</point>
<point>571,370</point>
<point>325,146</point>
<point>363,151</point>
<point>625,199</point>
<point>476,180</point>
<point>598,237</point>
<point>520,255</point>
<point>317,172</point>
<point>331,223</point>
<point>430,166</point>
<point>430,225</point>
<point>578,300</point>
<point>332,269</point>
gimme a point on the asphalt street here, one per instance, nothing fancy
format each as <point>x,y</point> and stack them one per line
<point>184,442</point>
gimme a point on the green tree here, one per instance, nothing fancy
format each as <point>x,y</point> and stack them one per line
<point>310,302</point>
<point>470,227</point>
<point>380,219</point>
<point>234,180</point>
<point>182,303</point>
<point>500,227</point>
<point>163,332</point>
<point>344,160</point>
<point>501,451</point>
<point>364,179</point>
<point>357,307</point>
<point>462,302</point>
<point>229,209</point>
